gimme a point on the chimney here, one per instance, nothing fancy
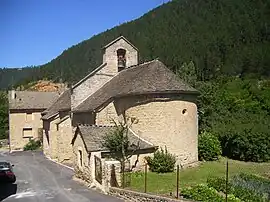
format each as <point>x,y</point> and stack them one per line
<point>13,94</point>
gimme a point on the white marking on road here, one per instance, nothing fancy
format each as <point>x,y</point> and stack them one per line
<point>3,153</point>
<point>23,195</point>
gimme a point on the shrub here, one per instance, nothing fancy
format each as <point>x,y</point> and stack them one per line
<point>205,193</point>
<point>248,146</point>
<point>32,145</point>
<point>209,147</point>
<point>161,162</point>
<point>219,183</point>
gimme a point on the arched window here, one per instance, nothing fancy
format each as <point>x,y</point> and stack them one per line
<point>121,57</point>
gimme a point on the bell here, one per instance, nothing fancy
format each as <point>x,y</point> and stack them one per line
<point>121,64</point>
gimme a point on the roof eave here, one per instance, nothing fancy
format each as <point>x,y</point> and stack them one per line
<point>117,39</point>
<point>90,74</point>
<point>195,92</point>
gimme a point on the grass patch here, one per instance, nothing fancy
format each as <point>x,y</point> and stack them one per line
<point>166,183</point>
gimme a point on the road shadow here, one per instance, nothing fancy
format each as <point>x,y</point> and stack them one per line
<point>7,189</point>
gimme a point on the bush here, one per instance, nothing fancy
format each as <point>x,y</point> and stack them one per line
<point>205,193</point>
<point>209,147</point>
<point>161,162</point>
<point>32,145</point>
<point>247,146</point>
<point>219,183</point>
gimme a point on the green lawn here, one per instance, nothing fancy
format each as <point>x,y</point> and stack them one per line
<point>166,183</point>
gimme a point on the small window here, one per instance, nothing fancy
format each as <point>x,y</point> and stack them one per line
<point>27,133</point>
<point>29,116</point>
<point>184,111</point>
<point>80,158</point>
<point>121,57</point>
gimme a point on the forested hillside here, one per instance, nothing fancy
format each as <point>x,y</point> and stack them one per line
<point>3,115</point>
<point>219,46</point>
<point>228,37</point>
<point>12,76</point>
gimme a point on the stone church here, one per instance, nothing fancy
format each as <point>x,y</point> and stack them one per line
<point>161,106</point>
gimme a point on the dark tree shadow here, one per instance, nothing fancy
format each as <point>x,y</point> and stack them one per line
<point>7,189</point>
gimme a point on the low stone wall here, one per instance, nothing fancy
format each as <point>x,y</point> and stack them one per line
<point>4,143</point>
<point>141,197</point>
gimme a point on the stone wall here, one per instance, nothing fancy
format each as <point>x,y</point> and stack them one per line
<point>65,135</point>
<point>92,83</point>
<point>89,86</point>
<point>107,115</point>
<point>83,170</point>
<point>54,139</point>
<point>128,195</point>
<point>170,122</point>
<point>20,120</point>
<point>46,136</point>
<point>110,55</point>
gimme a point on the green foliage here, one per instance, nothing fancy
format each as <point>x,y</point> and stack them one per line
<point>222,38</point>
<point>237,110</point>
<point>205,193</point>
<point>247,194</point>
<point>161,162</point>
<point>117,142</point>
<point>208,147</point>
<point>258,184</point>
<point>32,145</point>
<point>187,72</point>
<point>9,77</point>
<point>3,116</point>
<point>243,191</point>
<point>219,183</point>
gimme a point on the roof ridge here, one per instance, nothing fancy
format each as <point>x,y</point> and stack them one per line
<point>139,137</point>
<point>33,91</point>
<point>95,126</point>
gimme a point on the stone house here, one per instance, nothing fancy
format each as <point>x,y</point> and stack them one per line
<point>91,158</point>
<point>25,109</point>
<point>57,130</point>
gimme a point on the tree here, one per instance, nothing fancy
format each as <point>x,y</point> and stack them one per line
<point>187,72</point>
<point>118,143</point>
<point>3,115</point>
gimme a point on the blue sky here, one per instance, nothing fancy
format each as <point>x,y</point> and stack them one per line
<point>33,32</point>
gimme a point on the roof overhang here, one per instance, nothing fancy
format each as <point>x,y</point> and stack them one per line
<point>176,92</point>
<point>117,39</point>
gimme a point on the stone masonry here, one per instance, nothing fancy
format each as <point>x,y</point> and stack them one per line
<point>19,121</point>
<point>106,71</point>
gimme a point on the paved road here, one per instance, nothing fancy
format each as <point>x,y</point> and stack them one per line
<point>40,180</point>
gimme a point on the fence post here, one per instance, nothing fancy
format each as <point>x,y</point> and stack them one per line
<point>123,174</point>
<point>177,182</point>
<point>145,178</point>
<point>227,179</point>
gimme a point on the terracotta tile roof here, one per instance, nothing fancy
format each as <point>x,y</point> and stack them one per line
<point>93,137</point>
<point>147,78</point>
<point>63,103</point>
<point>31,99</point>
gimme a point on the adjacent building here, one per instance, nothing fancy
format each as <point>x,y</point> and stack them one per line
<point>57,130</point>
<point>25,108</point>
